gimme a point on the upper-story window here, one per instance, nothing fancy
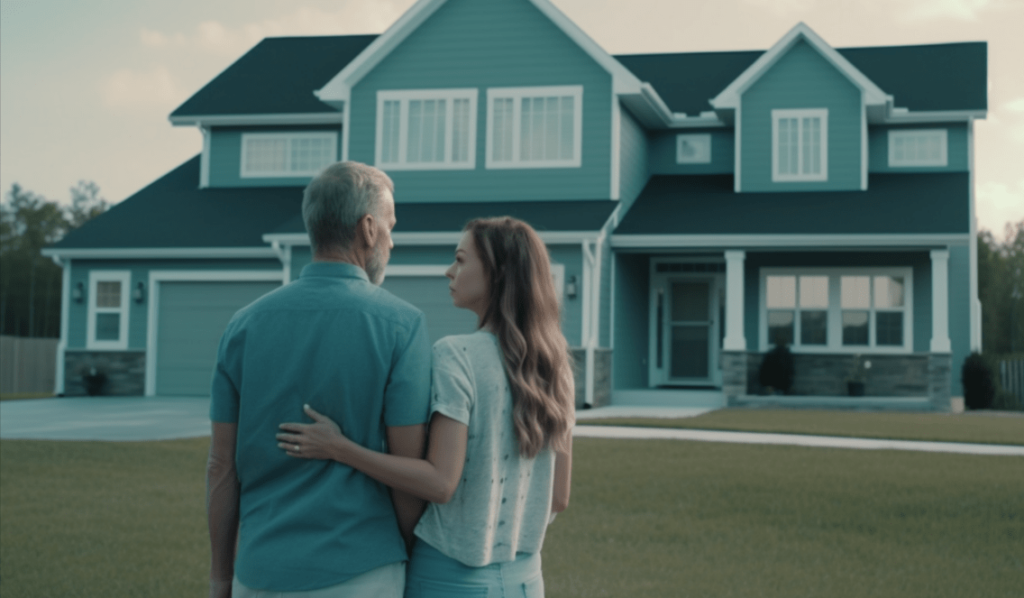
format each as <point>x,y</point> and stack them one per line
<point>287,154</point>
<point>534,127</point>
<point>107,324</point>
<point>918,147</point>
<point>693,148</point>
<point>426,129</point>
<point>800,145</point>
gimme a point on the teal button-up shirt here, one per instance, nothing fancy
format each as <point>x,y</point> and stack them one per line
<point>355,353</point>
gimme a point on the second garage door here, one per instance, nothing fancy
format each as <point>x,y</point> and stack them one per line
<point>430,294</point>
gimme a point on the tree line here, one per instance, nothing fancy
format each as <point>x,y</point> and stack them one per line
<point>1001,290</point>
<point>30,284</point>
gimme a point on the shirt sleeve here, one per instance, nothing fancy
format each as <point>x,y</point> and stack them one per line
<point>407,396</point>
<point>224,390</point>
<point>452,394</point>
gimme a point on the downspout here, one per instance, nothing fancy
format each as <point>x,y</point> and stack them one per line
<point>591,312</point>
<point>65,308</point>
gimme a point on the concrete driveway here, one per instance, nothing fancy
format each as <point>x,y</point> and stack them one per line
<point>106,418</point>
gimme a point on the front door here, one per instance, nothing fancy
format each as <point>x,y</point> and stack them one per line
<point>686,331</point>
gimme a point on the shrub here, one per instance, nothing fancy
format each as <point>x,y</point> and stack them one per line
<point>777,369</point>
<point>979,387</point>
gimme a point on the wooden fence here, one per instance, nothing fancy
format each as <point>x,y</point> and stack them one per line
<point>27,365</point>
<point>1011,377</point>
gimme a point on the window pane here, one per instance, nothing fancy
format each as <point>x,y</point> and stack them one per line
<point>856,291</point>
<point>389,135</point>
<point>441,117</point>
<point>568,124</point>
<point>780,327</point>
<point>888,292</point>
<point>108,327</point>
<point>855,327</point>
<point>781,291</point>
<point>814,291</point>
<point>787,158</point>
<point>889,329</point>
<point>552,130</point>
<point>415,137</point>
<point>266,155</point>
<point>502,150</point>
<point>814,327</point>
<point>460,131</point>
<point>108,294</point>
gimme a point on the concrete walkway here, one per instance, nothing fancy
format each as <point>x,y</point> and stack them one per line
<point>165,418</point>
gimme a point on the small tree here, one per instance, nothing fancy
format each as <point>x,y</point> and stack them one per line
<point>777,369</point>
<point>979,388</point>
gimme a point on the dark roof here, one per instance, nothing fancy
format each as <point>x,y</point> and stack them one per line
<point>279,75</point>
<point>173,212</point>
<point>933,77</point>
<point>575,215</point>
<point>903,203</point>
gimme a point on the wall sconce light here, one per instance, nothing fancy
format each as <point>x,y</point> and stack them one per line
<point>570,288</point>
<point>78,293</point>
<point>139,294</point>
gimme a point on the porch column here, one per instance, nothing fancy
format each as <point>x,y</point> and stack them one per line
<point>940,302</point>
<point>734,336</point>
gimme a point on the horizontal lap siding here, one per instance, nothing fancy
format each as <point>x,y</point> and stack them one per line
<point>226,156</point>
<point>723,152</point>
<point>801,78</point>
<point>956,150</point>
<point>500,43</point>
<point>634,161</point>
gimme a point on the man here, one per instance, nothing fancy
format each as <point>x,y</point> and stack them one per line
<point>335,340</point>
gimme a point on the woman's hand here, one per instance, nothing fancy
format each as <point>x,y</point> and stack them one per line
<point>321,439</point>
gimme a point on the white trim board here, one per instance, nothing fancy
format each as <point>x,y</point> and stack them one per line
<point>442,238</point>
<point>162,253</point>
<point>158,276</point>
<point>815,242</point>
<point>226,120</point>
<point>516,95</point>
<point>403,97</point>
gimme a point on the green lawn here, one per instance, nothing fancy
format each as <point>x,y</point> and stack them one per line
<point>984,427</point>
<point>647,518</point>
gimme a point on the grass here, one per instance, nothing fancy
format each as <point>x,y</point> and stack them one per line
<point>975,427</point>
<point>647,518</point>
<point>21,396</point>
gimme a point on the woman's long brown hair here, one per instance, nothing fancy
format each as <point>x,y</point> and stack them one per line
<point>523,312</point>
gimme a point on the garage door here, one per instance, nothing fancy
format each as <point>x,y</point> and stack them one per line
<point>191,319</point>
<point>430,294</point>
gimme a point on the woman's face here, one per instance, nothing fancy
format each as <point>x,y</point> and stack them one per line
<point>468,278</point>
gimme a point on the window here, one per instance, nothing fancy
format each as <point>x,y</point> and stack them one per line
<point>838,310</point>
<point>693,149</point>
<point>800,145</point>
<point>107,326</point>
<point>918,147</point>
<point>431,129</point>
<point>287,154</point>
<point>534,127</point>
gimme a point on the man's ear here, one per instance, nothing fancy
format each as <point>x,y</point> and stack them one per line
<point>368,229</point>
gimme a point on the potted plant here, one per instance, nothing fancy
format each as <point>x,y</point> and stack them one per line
<point>93,379</point>
<point>858,374</point>
<point>777,369</point>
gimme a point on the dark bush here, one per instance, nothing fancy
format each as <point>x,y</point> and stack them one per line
<point>979,387</point>
<point>777,369</point>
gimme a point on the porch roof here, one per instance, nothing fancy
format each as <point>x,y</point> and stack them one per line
<point>901,203</point>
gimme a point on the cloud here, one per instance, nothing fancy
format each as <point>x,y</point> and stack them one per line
<point>963,10</point>
<point>1016,105</point>
<point>126,88</point>
<point>215,37</point>
<point>999,204</point>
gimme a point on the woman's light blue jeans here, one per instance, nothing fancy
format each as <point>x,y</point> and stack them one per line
<point>431,574</point>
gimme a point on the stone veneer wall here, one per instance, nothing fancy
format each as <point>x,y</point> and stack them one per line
<point>602,376</point>
<point>125,370</point>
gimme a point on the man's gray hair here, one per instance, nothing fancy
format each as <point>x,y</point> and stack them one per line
<point>338,198</point>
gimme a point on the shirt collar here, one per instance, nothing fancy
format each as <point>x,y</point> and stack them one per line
<point>333,270</point>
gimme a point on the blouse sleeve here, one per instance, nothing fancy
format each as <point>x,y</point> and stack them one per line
<point>452,393</point>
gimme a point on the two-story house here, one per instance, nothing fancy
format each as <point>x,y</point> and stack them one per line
<point>697,207</point>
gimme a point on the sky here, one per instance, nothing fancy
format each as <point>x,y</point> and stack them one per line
<point>86,86</point>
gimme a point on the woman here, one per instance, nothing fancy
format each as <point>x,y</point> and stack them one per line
<point>500,451</point>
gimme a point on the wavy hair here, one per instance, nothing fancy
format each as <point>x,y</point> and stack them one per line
<point>523,312</point>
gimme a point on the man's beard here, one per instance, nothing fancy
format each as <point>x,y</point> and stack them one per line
<point>375,265</point>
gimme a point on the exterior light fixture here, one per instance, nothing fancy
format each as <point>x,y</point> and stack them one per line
<point>139,294</point>
<point>78,293</point>
<point>570,288</point>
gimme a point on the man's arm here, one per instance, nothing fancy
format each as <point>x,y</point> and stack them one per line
<point>222,491</point>
<point>407,441</point>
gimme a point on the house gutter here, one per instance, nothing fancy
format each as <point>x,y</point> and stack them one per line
<point>65,307</point>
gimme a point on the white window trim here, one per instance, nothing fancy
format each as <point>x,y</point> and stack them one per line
<point>516,94</point>
<point>699,138</point>
<point>943,160</point>
<point>290,136</point>
<point>835,340</point>
<point>779,177</point>
<point>96,277</point>
<point>404,96</point>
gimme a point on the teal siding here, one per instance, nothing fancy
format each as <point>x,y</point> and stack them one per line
<point>138,314</point>
<point>633,160</point>
<point>959,311</point>
<point>604,328</point>
<point>723,152</point>
<point>500,43</point>
<point>226,156</point>
<point>632,287</point>
<point>802,78</point>
<point>957,156</point>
